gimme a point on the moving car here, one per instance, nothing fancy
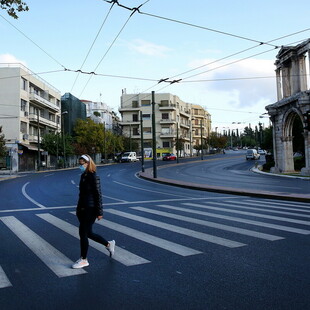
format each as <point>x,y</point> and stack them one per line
<point>262,152</point>
<point>169,156</point>
<point>129,157</point>
<point>252,154</point>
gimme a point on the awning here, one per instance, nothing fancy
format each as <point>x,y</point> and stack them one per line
<point>30,147</point>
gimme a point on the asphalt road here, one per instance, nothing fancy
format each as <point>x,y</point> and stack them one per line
<point>176,248</point>
<point>233,171</point>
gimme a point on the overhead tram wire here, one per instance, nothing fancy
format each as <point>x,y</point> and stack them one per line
<point>38,46</point>
<point>92,45</point>
<point>33,74</point>
<point>134,10</point>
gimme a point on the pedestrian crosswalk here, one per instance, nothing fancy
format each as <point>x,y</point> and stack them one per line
<point>228,224</point>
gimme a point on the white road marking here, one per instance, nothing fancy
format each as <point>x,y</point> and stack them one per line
<point>121,200</point>
<point>271,217</point>
<point>118,203</point>
<point>238,204</point>
<point>29,198</point>
<point>121,255</point>
<point>159,242</point>
<point>4,280</point>
<point>148,190</point>
<point>179,230</point>
<point>237,230</point>
<point>263,207</point>
<point>50,256</point>
<point>48,175</point>
<point>292,204</point>
<point>73,182</point>
<point>242,220</point>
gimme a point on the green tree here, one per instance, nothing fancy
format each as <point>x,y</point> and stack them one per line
<point>89,137</point>
<point>133,143</point>
<point>2,144</point>
<point>13,7</point>
<point>267,142</point>
<point>52,141</point>
<point>216,141</point>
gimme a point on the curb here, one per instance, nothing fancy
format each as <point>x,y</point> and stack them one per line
<point>256,170</point>
<point>147,175</point>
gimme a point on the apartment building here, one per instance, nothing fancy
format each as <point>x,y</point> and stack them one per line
<point>100,113</point>
<point>174,122</point>
<point>29,108</point>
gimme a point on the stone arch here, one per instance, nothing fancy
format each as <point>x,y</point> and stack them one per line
<point>289,118</point>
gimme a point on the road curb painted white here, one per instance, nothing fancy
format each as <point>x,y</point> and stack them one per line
<point>256,170</point>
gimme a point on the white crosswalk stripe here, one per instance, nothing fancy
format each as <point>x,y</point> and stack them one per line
<point>269,206</point>
<point>159,242</point>
<point>50,256</point>
<point>246,221</point>
<point>271,217</point>
<point>285,203</point>
<point>121,255</point>
<point>239,204</point>
<point>179,230</point>
<point>4,280</point>
<point>278,205</point>
<point>237,230</point>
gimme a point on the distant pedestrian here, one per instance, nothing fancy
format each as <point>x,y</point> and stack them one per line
<point>89,208</point>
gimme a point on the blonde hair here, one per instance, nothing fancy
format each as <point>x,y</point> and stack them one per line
<point>91,167</point>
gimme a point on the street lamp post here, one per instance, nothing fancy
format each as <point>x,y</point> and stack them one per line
<point>142,143</point>
<point>154,136</point>
<point>38,123</point>
<point>201,140</point>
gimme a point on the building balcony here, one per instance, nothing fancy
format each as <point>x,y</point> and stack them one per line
<point>167,107</point>
<point>167,121</point>
<point>168,135</point>
<point>129,123</point>
<point>199,116</point>
<point>34,138</point>
<point>42,121</point>
<point>184,125</point>
<point>185,113</point>
<point>43,102</point>
<point>129,109</point>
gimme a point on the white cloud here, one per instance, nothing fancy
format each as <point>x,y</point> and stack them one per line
<point>9,58</point>
<point>240,93</point>
<point>149,48</point>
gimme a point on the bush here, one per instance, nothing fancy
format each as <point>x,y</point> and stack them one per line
<point>267,166</point>
<point>299,162</point>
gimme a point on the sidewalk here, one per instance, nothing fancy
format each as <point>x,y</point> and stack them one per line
<point>148,175</point>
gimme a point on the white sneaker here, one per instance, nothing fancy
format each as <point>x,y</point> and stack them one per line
<point>80,263</point>
<point>111,247</point>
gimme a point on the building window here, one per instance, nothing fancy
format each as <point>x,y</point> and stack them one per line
<point>135,118</point>
<point>165,116</point>
<point>57,102</point>
<point>23,105</point>
<point>23,127</point>
<point>145,102</point>
<point>146,116</point>
<point>147,130</point>
<point>23,84</point>
<point>135,131</point>
<point>165,130</point>
<point>166,144</point>
<point>164,103</point>
<point>135,104</point>
<point>52,117</point>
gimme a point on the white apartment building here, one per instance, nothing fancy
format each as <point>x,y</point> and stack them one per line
<point>99,112</point>
<point>29,108</point>
<point>174,120</point>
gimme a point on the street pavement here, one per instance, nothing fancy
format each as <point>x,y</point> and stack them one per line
<point>232,174</point>
<point>176,247</point>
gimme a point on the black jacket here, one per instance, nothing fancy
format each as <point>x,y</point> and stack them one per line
<point>90,193</point>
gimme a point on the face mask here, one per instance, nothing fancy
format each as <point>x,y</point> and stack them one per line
<point>82,168</point>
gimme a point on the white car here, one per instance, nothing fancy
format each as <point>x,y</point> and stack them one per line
<point>262,152</point>
<point>252,154</point>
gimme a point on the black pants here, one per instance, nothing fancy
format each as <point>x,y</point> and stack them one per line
<point>87,219</point>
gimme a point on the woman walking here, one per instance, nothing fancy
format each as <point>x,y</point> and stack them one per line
<point>89,208</point>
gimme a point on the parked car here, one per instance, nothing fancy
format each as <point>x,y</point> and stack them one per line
<point>252,154</point>
<point>129,157</point>
<point>262,152</point>
<point>169,156</point>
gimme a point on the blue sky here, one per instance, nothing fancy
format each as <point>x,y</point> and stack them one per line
<point>153,48</point>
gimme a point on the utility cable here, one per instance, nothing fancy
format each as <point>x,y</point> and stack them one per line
<point>92,45</point>
<point>45,52</point>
